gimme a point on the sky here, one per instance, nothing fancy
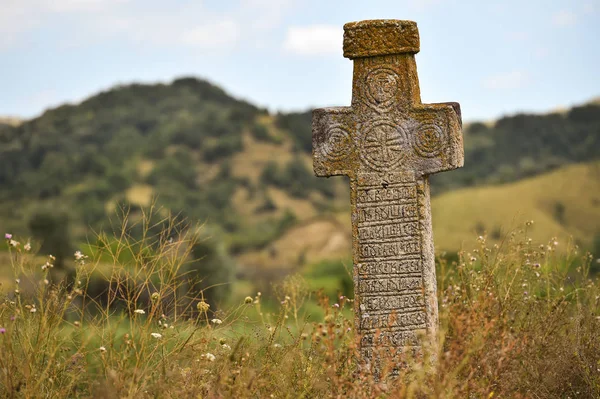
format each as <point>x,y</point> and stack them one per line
<point>494,57</point>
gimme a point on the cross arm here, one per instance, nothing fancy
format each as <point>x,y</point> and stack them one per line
<point>437,138</point>
<point>334,147</point>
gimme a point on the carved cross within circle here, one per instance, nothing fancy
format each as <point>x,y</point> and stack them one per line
<point>383,145</point>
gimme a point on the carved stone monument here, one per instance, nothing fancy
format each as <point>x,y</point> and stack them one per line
<point>388,143</point>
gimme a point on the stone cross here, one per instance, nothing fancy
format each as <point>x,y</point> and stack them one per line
<point>388,143</point>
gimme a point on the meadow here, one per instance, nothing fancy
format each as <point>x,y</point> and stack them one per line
<point>519,318</point>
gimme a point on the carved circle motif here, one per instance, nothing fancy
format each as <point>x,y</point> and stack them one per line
<point>429,140</point>
<point>381,88</point>
<point>338,144</point>
<point>383,145</point>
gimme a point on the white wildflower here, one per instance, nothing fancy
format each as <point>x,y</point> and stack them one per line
<point>226,347</point>
<point>216,321</point>
<point>156,335</point>
<point>27,247</point>
<point>139,311</point>
<point>209,356</point>
<point>102,349</point>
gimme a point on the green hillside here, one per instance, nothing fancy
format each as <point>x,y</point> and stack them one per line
<point>197,152</point>
<point>563,203</point>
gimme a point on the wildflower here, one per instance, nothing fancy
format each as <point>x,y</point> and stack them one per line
<point>2,330</point>
<point>52,257</point>
<point>155,296</point>
<point>139,311</point>
<point>33,309</point>
<point>226,347</point>
<point>156,335</point>
<point>46,281</point>
<point>76,323</point>
<point>202,306</point>
<point>8,236</point>
<point>17,281</point>
<point>79,255</point>
<point>102,349</point>
<point>277,346</point>
<point>27,246</point>
<point>216,321</point>
<point>14,243</point>
<point>165,325</point>
<point>335,305</point>
<point>248,300</point>
<point>473,259</point>
<point>209,356</point>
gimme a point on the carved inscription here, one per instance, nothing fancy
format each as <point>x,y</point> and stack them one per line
<point>391,338</point>
<point>412,320</point>
<point>390,271</point>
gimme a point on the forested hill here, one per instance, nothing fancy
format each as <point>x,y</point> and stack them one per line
<point>214,158</point>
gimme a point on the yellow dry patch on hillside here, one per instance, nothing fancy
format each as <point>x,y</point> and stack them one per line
<point>9,120</point>
<point>251,161</point>
<point>140,194</point>
<point>244,204</point>
<point>311,241</point>
<point>458,215</point>
<point>302,208</point>
<point>144,167</point>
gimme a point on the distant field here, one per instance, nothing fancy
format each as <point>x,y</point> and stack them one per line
<point>562,203</point>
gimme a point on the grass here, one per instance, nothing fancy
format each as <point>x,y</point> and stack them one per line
<point>564,203</point>
<point>517,319</point>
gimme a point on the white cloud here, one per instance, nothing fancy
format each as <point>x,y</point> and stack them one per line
<point>564,18</point>
<point>507,81</point>
<point>314,40</point>
<point>194,23</point>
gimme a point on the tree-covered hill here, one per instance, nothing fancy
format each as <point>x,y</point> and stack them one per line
<point>210,157</point>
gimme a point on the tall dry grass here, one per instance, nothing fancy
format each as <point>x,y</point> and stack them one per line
<point>518,319</point>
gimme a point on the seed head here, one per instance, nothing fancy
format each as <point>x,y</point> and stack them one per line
<point>202,307</point>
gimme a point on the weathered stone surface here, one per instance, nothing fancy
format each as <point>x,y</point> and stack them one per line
<point>388,143</point>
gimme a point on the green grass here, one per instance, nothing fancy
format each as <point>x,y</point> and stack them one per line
<point>563,204</point>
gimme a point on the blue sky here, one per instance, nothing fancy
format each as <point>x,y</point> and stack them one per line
<point>494,57</point>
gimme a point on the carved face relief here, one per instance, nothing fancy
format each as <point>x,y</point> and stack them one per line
<point>381,88</point>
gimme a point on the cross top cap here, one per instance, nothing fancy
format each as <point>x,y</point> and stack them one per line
<point>380,37</point>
